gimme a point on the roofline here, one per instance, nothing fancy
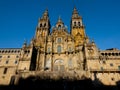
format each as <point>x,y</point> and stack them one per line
<point>10,48</point>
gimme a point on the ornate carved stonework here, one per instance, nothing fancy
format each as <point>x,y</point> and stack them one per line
<point>60,54</point>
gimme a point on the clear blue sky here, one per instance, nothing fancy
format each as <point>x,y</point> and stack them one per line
<point>19,18</point>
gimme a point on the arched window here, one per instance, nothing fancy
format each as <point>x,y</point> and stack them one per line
<point>7,61</point>
<point>59,49</point>
<point>69,49</point>
<point>3,51</point>
<point>59,40</point>
<point>74,23</point>
<point>16,61</point>
<point>59,27</point>
<point>41,25</point>
<point>44,24</point>
<point>116,54</point>
<point>113,54</point>
<point>78,23</point>
<point>102,53</point>
<point>59,65</point>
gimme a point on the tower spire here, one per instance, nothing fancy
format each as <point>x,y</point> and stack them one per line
<point>45,14</point>
<point>75,13</point>
<point>75,10</point>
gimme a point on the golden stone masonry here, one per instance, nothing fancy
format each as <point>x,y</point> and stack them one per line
<point>60,54</point>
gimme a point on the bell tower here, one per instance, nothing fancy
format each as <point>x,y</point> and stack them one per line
<point>77,28</point>
<point>43,29</point>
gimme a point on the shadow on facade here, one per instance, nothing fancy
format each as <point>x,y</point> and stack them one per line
<point>37,83</point>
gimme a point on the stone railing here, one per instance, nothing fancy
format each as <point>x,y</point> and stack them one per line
<point>54,75</point>
<point>109,70</point>
<point>103,58</point>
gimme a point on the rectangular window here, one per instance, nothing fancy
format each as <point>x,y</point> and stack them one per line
<point>59,49</point>
<point>5,70</point>
<point>48,50</point>
<point>16,61</point>
<point>8,56</point>
<point>111,64</point>
<point>59,40</point>
<point>69,49</point>
<point>0,56</point>
<point>101,68</point>
<point>79,23</point>
<point>7,61</point>
<point>17,56</point>
<point>118,67</point>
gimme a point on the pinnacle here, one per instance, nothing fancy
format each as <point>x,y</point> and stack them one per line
<point>59,19</point>
<point>75,11</point>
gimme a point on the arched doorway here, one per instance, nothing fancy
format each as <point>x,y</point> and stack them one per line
<point>59,65</point>
<point>12,80</point>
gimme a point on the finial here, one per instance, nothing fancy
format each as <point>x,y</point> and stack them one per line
<point>59,19</point>
<point>93,43</point>
<point>46,10</point>
<point>32,41</point>
<point>75,11</point>
<point>75,8</point>
<point>45,14</point>
<point>25,43</point>
<point>92,40</point>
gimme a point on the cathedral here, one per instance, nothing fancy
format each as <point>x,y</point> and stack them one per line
<point>59,53</point>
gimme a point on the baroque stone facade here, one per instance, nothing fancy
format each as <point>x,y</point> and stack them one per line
<point>60,54</point>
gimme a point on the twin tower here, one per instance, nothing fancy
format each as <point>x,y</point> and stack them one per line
<point>60,54</point>
<point>58,50</point>
<point>77,28</point>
